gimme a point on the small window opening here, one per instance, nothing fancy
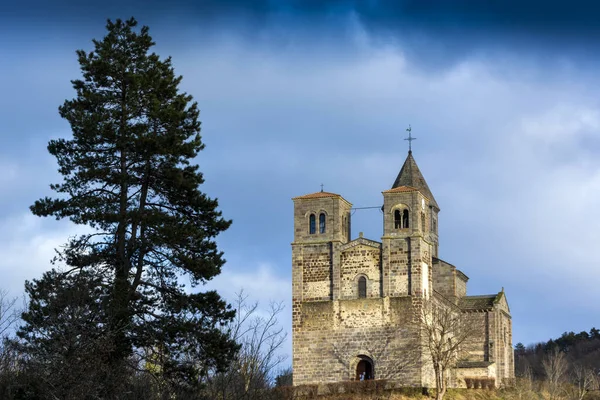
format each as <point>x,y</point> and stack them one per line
<point>322,223</point>
<point>362,287</point>
<point>405,219</point>
<point>348,227</point>
<point>434,225</point>
<point>423,221</point>
<point>312,229</point>
<point>397,219</point>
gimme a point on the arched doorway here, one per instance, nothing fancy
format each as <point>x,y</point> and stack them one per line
<point>364,369</point>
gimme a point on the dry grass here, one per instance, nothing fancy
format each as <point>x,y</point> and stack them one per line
<point>454,394</point>
<point>363,392</point>
<point>382,390</point>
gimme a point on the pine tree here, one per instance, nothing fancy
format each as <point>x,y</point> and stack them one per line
<point>128,175</point>
<point>65,336</point>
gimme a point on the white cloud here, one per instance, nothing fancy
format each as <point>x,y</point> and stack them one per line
<point>27,247</point>
<point>258,280</point>
<point>261,284</point>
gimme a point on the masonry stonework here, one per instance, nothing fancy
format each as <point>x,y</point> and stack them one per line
<point>354,301</point>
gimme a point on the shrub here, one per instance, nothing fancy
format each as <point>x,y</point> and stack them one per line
<point>309,391</point>
<point>284,393</point>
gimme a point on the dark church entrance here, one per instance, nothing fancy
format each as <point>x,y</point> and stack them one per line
<point>364,369</point>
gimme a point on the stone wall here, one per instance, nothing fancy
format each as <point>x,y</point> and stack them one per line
<point>448,280</point>
<point>460,374</point>
<point>359,261</point>
<point>461,284</point>
<point>503,340</point>
<point>333,334</point>
<point>444,278</point>
<point>316,272</point>
<point>476,347</point>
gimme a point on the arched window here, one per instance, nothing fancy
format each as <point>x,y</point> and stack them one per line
<point>312,228</point>
<point>397,219</point>
<point>362,287</point>
<point>405,219</point>
<point>322,223</point>
<point>423,222</point>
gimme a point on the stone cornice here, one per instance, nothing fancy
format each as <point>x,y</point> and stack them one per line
<point>360,241</point>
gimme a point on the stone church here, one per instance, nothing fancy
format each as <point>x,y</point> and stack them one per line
<point>352,299</point>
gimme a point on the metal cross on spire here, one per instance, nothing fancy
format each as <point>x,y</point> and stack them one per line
<point>410,138</point>
<point>322,187</point>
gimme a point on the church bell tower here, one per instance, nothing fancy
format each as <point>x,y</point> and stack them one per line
<point>410,233</point>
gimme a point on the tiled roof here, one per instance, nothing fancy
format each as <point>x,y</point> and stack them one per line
<point>317,195</point>
<point>401,189</point>
<point>411,176</point>
<point>483,302</point>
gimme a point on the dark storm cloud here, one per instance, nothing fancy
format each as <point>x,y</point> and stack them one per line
<point>431,33</point>
<point>440,32</point>
<point>578,18</point>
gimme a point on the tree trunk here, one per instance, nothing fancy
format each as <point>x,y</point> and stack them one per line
<point>119,317</point>
<point>440,383</point>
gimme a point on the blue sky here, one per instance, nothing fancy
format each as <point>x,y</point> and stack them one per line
<point>502,98</point>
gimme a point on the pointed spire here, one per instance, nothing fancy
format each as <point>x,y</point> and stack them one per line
<point>410,175</point>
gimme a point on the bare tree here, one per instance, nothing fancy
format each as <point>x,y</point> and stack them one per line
<point>445,330</point>
<point>555,367</point>
<point>523,385</point>
<point>583,380</point>
<point>9,313</point>
<point>260,337</point>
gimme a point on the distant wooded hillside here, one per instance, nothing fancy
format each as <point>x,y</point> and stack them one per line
<point>581,349</point>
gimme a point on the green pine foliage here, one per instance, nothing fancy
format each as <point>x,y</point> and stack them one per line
<point>65,337</point>
<point>128,173</point>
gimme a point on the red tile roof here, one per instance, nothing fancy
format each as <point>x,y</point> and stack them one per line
<point>317,195</point>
